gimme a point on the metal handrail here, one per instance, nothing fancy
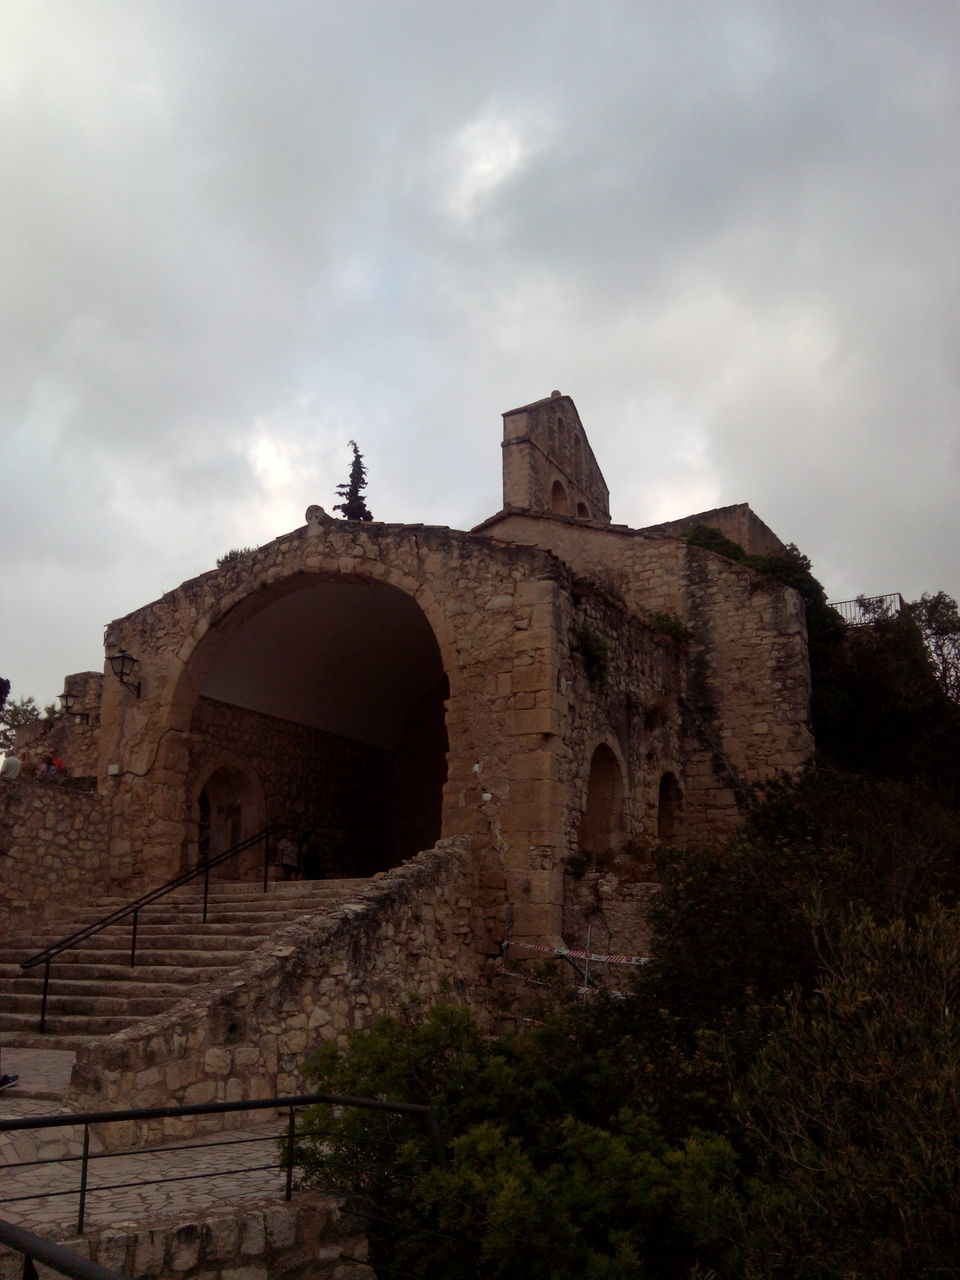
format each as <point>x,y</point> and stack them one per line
<point>36,1249</point>
<point>147,899</point>
<point>290,1104</point>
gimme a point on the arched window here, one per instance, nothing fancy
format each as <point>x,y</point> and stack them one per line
<point>583,511</point>
<point>601,827</point>
<point>669,810</point>
<point>559,503</point>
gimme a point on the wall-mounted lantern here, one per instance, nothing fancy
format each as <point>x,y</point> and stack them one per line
<point>68,702</point>
<point>122,665</point>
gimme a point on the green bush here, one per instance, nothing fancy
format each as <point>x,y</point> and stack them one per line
<point>546,1168</point>
<point>853,1110</point>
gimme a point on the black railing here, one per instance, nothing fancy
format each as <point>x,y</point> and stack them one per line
<point>867,609</point>
<point>147,899</point>
<point>289,1139</point>
<point>35,1249</point>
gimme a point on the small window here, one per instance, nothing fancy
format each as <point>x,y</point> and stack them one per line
<point>583,512</point>
<point>559,503</point>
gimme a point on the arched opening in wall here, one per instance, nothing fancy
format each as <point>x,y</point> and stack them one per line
<point>559,503</point>
<point>583,511</point>
<point>229,808</point>
<point>601,827</point>
<point>333,690</point>
<point>577,458</point>
<point>669,810</point>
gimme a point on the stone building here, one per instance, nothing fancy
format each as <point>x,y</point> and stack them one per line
<point>548,684</point>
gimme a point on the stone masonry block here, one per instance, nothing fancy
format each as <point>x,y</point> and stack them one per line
<point>537,922</point>
<point>537,720</point>
<point>252,1234</point>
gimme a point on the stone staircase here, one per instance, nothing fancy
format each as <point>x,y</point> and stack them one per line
<point>94,991</point>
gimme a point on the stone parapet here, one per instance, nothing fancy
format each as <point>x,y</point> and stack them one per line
<point>310,1238</point>
<point>419,929</point>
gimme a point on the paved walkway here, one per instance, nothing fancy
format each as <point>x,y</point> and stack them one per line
<point>117,1188</point>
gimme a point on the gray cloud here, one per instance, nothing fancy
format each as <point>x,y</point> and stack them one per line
<point>238,234</point>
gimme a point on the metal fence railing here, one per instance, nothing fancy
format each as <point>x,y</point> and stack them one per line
<point>285,1142</point>
<point>867,609</point>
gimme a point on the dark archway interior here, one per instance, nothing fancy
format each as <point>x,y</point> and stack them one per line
<point>559,504</point>
<point>333,695</point>
<point>601,828</point>
<point>669,810</point>
<point>229,809</point>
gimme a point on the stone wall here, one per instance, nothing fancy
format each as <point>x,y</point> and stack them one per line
<point>311,781</point>
<point>608,914</point>
<point>630,705</point>
<point>737,522</point>
<point>309,1238</point>
<point>746,679</point>
<point>425,928</point>
<point>75,738</point>
<point>53,845</point>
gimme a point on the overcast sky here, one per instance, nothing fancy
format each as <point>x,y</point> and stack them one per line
<point>238,233</point>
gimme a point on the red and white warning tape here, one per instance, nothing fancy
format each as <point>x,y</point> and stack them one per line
<point>576,955</point>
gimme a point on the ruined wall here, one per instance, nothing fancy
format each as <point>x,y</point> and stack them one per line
<point>311,780</point>
<point>309,1238</point>
<point>746,686</point>
<point>75,737</point>
<point>416,929</point>
<point>608,912</point>
<point>54,844</point>
<point>737,522</point>
<point>631,703</point>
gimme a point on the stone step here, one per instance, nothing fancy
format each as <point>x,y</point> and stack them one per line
<point>236,910</point>
<point>224,912</point>
<point>194,956</point>
<point>171,972</point>
<point>295,891</point>
<point>141,1006</point>
<point>31,1039</point>
<point>234,943</point>
<point>119,985</point>
<point>87,1026</point>
<point>121,933</point>
<point>93,991</point>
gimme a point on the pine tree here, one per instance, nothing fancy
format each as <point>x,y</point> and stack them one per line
<point>354,505</point>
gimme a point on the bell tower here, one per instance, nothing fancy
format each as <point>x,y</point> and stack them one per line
<point>548,465</point>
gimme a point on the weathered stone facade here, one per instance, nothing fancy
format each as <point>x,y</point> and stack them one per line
<point>546,684</point>
<point>54,844</point>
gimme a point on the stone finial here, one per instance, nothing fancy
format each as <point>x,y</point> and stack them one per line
<point>316,518</point>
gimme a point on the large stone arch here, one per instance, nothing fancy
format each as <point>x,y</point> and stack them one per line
<point>332,687</point>
<point>488,610</point>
